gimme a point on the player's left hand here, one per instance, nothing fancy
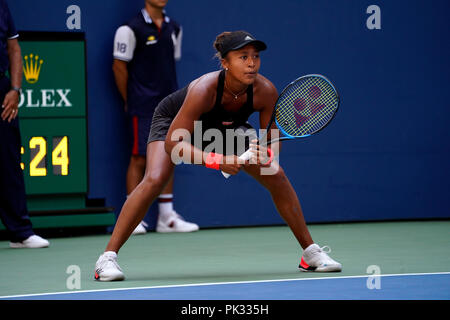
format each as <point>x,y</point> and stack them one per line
<point>262,156</point>
<point>10,106</point>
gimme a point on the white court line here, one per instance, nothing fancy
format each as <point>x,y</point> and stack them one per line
<point>222,283</point>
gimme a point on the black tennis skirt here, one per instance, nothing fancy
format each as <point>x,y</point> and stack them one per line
<point>164,114</point>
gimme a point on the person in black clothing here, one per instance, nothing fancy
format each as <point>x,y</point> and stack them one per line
<point>13,205</point>
<point>221,100</point>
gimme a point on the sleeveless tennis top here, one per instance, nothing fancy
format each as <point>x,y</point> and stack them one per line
<point>223,119</point>
<point>217,117</point>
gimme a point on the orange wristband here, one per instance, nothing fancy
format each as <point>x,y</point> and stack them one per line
<point>213,160</point>
<point>270,152</point>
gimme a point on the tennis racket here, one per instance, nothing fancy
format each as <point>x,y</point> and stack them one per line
<point>304,107</point>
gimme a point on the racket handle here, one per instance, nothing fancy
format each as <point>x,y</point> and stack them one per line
<point>245,156</point>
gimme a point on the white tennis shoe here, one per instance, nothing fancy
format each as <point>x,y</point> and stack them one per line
<point>33,241</point>
<point>107,268</point>
<point>315,258</point>
<point>175,223</point>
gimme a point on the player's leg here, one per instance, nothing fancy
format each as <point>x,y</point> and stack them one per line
<point>135,174</point>
<point>286,201</point>
<point>158,170</point>
<point>288,205</point>
<point>136,169</point>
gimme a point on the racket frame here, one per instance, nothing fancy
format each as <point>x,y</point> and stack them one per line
<point>273,118</point>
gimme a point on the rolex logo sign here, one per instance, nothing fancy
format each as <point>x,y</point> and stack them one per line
<point>41,93</point>
<point>32,67</point>
<point>54,76</point>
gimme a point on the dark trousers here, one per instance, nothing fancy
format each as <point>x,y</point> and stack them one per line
<point>13,205</point>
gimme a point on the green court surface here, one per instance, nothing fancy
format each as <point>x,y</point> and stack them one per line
<point>227,255</point>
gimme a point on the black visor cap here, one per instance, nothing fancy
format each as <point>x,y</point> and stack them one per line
<point>239,39</point>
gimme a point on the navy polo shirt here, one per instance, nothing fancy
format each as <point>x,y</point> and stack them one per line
<point>151,54</point>
<point>7,32</point>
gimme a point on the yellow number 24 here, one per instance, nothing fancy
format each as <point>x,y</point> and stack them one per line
<point>60,156</point>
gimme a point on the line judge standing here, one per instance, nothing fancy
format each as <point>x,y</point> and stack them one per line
<point>145,51</point>
<point>13,203</point>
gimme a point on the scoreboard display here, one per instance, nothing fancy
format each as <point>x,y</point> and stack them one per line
<point>53,124</point>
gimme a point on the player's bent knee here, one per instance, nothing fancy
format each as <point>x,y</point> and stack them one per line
<point>154,182</point>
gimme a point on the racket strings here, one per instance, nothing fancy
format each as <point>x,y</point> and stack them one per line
<point>306,106</point>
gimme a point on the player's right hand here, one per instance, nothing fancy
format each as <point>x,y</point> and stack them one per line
<point>231,164</point>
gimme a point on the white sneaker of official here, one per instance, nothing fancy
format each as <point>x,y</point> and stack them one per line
<point>174,223</point>
<point>315,258</point>
<point>107,268</point>
<point>33,242</point>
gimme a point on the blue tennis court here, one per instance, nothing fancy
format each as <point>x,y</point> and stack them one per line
<point>433,286</point>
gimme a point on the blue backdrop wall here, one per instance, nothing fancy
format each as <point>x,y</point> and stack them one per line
<point>385,156</point>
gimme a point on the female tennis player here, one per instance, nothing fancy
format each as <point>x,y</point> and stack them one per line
<point>220,100</point>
